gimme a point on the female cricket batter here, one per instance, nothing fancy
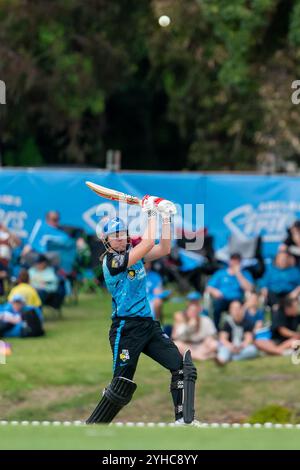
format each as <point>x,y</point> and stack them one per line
<point>133,328</point>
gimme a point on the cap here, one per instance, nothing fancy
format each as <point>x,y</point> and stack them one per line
<point>18,298</point>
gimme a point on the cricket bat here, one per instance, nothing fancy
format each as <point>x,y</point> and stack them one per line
<point>113,195</point>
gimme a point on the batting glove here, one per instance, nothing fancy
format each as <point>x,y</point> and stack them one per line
<point>166,208</point>
<point>150,203</point>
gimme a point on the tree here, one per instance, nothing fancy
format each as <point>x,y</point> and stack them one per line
<point>61,60</point>
<point>209,92</point>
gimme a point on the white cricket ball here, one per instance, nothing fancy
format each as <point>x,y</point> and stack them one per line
<point>164,21</point>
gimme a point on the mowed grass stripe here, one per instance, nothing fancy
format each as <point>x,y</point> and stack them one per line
<point>134,438</point>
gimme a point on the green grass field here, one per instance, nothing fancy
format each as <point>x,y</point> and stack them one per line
<point>112,437</point>
<point>61,376</point>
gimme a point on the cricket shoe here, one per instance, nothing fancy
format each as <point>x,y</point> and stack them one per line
<point>180,422</point>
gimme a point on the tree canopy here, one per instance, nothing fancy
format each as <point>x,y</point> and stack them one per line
<point>212,91</point>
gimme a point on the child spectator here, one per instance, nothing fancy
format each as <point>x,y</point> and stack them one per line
<point>19,320</point>
<point>25,290</point>
<point>11,314</point>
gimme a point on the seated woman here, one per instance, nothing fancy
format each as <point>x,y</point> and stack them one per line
<point>45,280</point>
<point>283,333</point>
<point>26,290</point>
<point>253,313</point>
<point>195,332</point>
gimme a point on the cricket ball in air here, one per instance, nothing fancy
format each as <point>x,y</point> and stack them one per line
<point>164,21</point>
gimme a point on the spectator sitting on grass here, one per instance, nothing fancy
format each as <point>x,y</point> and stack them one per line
<point>195,331</point>
<point>283,333</point>
<point>285,323</point>
<point>25,290</point>
<point>20,320</point>
<point>236,337</point>
<point>11,314</point>
<point>253,313</point>
<point>227,285</point>
<point>282,278</point>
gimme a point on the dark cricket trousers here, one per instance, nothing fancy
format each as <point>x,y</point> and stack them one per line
<point>129,337</point>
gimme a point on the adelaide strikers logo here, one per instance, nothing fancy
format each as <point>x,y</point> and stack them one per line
<point>131,274</point>
<point>124,356</point>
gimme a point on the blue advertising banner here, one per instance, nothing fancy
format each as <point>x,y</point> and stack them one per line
<point>243,205</point>
<point>248,206</point>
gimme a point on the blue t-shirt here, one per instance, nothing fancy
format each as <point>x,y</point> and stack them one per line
<point>127,286</point>
<point>16,330</point>
<point>281,280</point>
<point>258,316</point>
<point>154,281</point>
<point>228,283</point>
<point>9,309</point>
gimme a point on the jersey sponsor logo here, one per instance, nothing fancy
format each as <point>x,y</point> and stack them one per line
<point>131,274</point>
<point>124,356</point>
<point>136,274</point>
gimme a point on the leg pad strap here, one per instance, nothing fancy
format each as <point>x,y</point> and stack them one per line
<point>115,397</point>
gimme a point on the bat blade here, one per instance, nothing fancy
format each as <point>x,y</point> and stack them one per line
<point>113,195</point>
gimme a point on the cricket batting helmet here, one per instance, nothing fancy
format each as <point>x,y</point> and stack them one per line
<point>114,225</point>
